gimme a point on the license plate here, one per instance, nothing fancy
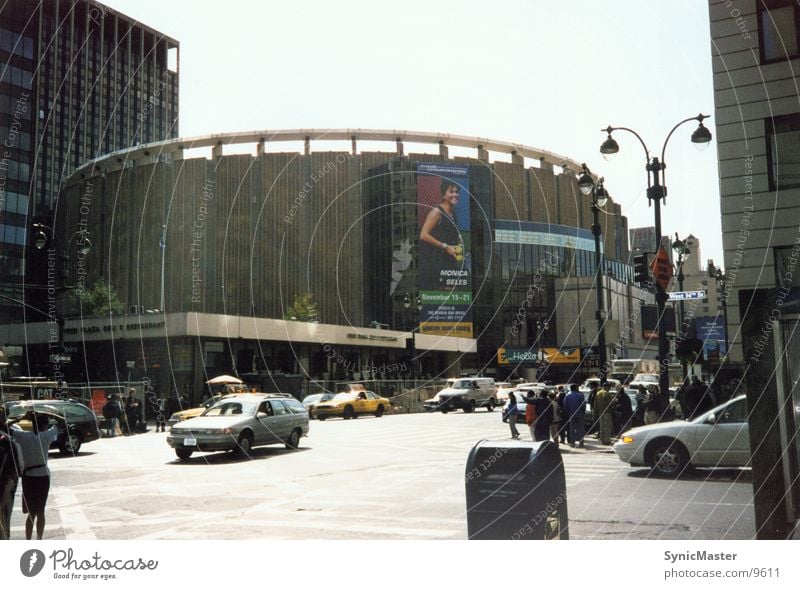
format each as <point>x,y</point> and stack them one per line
<point>189,442</point>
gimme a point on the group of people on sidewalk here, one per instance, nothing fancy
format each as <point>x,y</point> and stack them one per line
<point>561,416</point>
<point>125,419</point>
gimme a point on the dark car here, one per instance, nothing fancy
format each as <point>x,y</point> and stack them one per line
<point>76,423</point>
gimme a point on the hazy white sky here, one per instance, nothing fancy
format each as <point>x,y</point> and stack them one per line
<point>545,74</point>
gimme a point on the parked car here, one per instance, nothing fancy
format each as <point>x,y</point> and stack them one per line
<point>241,422</point>
<point>351,404</point>
<point>311,402</point>
<point>716,438</point>
<point>76,423</point>
<point>464,393</point>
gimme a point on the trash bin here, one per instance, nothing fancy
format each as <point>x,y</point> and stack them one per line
<point>516,491</point>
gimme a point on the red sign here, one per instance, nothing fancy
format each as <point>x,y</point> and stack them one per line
<point>662,268</point>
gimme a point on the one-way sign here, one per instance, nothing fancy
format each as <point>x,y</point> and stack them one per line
<point>687,295</point>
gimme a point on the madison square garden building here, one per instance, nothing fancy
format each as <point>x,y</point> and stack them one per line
<point>208,255</point>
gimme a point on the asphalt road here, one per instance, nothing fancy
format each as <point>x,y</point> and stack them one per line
<point>397,477</point>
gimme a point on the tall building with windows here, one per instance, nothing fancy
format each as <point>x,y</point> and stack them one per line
<point>77,80</point>
<point>756,56</point>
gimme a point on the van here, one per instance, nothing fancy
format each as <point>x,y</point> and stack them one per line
<point>466,394</point>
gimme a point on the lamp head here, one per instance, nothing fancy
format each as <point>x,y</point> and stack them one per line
<point>39,240</point>
<point>407,301</point>
<point>610,146</point>
<point>84,244</point>
<point>701,136</point>
<point>585,183</point>
<point>601,194</point>
<point>418,304</point>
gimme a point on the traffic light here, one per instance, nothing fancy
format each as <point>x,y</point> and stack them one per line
<point>641,273</point>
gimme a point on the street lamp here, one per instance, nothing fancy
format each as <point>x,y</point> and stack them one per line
<point>679,247</point>
<point>418,306</point>
<point>42,238</point>
<point>656,192</point>
<point>588,186</point>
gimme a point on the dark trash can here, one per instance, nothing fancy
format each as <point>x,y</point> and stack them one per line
<point>516,491</point>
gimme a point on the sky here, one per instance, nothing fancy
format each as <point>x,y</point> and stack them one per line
<point>549,75</point>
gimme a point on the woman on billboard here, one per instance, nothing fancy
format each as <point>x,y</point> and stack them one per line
<point>440,244</point>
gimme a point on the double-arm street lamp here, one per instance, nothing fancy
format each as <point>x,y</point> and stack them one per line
<point>588,186</point>
<point>681,249</point>
<point>722,288</point>
<point>418,307</point>
<point>656,192</point>
<point>43,237</point>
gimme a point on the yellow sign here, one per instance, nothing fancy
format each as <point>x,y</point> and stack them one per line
<point>565,356</point>
<point>446,328</point>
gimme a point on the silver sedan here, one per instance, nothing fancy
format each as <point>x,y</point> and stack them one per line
<point>241,422</point>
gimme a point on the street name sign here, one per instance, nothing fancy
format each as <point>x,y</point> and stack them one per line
<point>687,295</point>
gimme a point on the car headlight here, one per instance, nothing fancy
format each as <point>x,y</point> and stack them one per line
<point>626,439</point>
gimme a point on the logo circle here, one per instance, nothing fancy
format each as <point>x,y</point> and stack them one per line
<point>31,562</point>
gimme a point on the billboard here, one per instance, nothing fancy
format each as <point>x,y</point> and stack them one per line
<point>711,330</point>
<point>444,265</point>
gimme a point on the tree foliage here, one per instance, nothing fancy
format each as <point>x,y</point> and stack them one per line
<point>98,299</point>
<point>302,309</point>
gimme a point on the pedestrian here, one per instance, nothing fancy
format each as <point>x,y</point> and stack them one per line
<point>601,412</point>
<point>544,417</point>
<point>530,413</point>
<point>161,416</point>
<point>111,413</point>
<point>132,410</point>
<point>174,404</point>
<point>563,417</point>
<point>510,413</point>
<point>35,446</point>
<point>575,408</point>
<point>650,402</point>
<point>622,411</point>
<point>555,425</point>
<point>11,467</point>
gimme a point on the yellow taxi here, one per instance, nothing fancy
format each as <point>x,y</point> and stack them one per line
<point>350,404</point>
<point>185,414</point>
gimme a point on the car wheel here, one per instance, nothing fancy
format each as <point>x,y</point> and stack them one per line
<point>668,457</point>
<point>245,444</point>
<point>71,444</point>
<point>321,417</point>
<point>490,404</point>
<point>294,440</point>
<point>348,412</point>
<point>445,410</point>
<point>379,411</point>
<point>470,407</point>
<point>184,453</point>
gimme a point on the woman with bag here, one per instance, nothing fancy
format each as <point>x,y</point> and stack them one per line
<point>510,413</point>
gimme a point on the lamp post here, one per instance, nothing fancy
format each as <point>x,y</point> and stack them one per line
<point>722,285</point>
<point>588,186</point>
<point>541,334</point>
<point>656,192</point>
<point>43,237</point>
<point>679,247</point>
<point>418,307</point>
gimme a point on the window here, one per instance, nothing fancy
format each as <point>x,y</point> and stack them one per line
<point>783,154</point>
<point>778,27</point>
<point>278,408</point>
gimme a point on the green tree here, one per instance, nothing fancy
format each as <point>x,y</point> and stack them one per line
<point>302,309</point>
<point>98,299</point>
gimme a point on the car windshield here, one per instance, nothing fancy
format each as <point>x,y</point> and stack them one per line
<point>344,397</point>
<point>231,408</point>
<point>460,384</point>
<point>313,398</point>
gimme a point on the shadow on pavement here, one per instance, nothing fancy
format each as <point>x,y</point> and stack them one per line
<point>708,475</point>
<point>230,457</point>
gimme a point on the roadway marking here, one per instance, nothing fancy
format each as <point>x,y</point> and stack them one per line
<point>70,510</point>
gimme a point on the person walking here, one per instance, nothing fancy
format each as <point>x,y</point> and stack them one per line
<point>575,408</point>
<point>35,446</point>
<point>111,413</point>
<point>622,411</point>
<point>544,417</point>
<point>555,425</point>
<point>510,413</point>
<point>11,467</point>
<point>563,417</point>
<point>601,411</point>
<point>530,413</point>
<point>132,410</point>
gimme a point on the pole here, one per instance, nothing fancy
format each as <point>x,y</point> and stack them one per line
<point>657,192</point>
<point>680,287</point>
<point>163,245</point>
<point>600,312</point>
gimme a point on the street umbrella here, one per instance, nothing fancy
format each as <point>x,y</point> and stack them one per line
<point>225,379</point>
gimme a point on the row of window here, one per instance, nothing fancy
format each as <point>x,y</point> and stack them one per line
<point>16,76</point>
<point>783,153</point>
<point>17,171</point>
<point>20,45</point>
<point>15,203</point>
<point>779,28</point>
<point>12,234</point>
<point>11,105</point>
